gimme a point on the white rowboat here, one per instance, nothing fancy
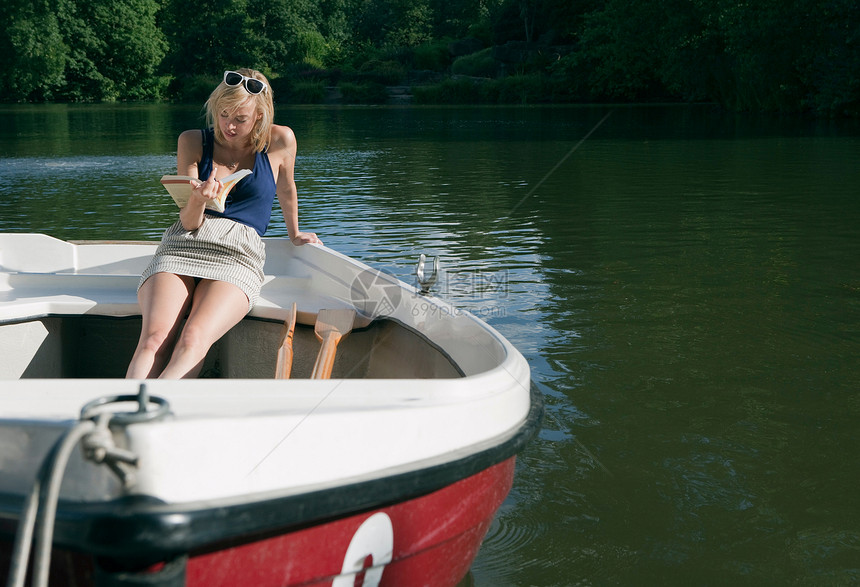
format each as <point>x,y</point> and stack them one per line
<point>388,472</point>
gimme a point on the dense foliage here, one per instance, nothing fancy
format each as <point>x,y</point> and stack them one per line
<point>767,55</point>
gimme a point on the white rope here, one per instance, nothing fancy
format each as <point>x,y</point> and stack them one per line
<point>24,537</point>
<point>51,471</point>
<point>99,447</point>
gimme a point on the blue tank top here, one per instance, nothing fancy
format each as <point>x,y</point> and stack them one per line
<point>250,201</point>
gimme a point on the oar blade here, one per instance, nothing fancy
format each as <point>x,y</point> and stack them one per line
<point>337,322</point>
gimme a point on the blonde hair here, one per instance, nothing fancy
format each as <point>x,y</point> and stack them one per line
<point>228,99</point>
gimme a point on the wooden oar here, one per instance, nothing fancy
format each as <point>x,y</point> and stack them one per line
<point>285,348</point>
<point>331,327</point>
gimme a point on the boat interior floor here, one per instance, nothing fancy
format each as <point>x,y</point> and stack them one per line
<point>93,346</point>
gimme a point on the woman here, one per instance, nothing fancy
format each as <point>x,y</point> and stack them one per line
<point>209,265</point>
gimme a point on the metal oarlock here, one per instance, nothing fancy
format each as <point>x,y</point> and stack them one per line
<point>426,281</point>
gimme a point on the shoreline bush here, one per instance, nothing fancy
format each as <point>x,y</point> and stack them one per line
<point>801,56</point>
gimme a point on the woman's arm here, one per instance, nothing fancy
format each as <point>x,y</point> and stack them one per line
<point>189,151</point>
<point>284,143</point>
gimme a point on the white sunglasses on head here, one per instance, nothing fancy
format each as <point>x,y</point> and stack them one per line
<point>252,85</point>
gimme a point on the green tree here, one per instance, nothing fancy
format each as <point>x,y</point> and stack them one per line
<point>831,68</point>
<point>116,48</point>
<point>208,38</point>
<point>33,49</point>
<point>281,33</point>
<point>620,49</point>
<point>334,22</point>
<point>394,23</point>
<point>455,18</point>
<point>764,42</point>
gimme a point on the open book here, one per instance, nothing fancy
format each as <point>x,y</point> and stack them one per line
<point>179,187</point>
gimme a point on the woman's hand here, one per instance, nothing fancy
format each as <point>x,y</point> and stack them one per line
<point>304,238</point>
<point>201,192</point>
<point>209,189</point>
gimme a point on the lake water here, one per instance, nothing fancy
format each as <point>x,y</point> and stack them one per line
<point>684,283</point>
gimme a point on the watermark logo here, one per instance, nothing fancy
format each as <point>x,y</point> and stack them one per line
<point>375,293</point>
<point>475,284</point>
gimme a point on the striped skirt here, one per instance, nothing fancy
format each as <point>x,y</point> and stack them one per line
<point>220,249</point>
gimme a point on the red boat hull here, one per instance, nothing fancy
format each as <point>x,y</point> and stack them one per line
<point>429,540</point>
<point>435,538</point>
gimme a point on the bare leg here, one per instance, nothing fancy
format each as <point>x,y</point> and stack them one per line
<point>164,299</point>
<point>217,307</point>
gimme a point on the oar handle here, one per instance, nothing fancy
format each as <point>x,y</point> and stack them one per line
<point>284,363</point>
<point>325,359</point>
<point>331,326</point>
